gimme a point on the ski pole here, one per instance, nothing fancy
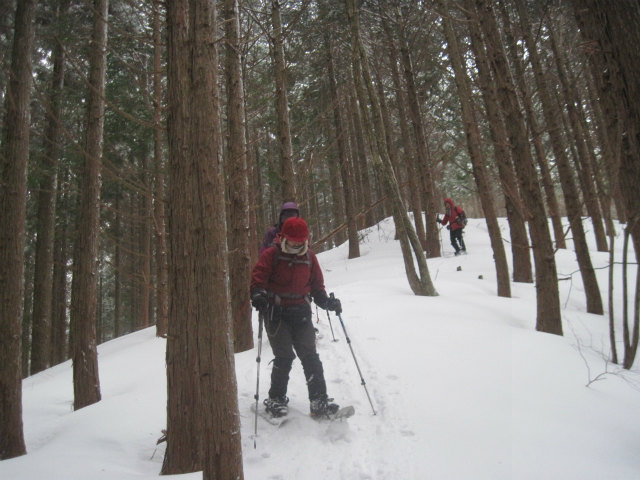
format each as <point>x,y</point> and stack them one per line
<point>363,383</point>
<point>331,327</point>
<point>258,359</point>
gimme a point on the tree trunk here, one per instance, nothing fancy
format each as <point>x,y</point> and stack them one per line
<point>84,286</point>
<point>13,165</point>
<point>117,267</point>
<point>202,411</point>
<point>411,247</point>
<point>611,34</point>
<point>535,132</point>
<point>43,278</point>
<point>162,300</point>
<point>522,269</point>
<point>343,159</point>
<point>474,143</point>
<point>410,155</point>
<point>548,317</point>
<point>287,170</point>
<point>423,160</point>
<point>363,188</point>
<point>59,347</point>
<point>145,207</point>
<point>571,197</point>
<point>238,184</point>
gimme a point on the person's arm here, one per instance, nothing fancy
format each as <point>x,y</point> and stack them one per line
<point>318,291</point>
<point>263,269</point>
<point>267,239</point>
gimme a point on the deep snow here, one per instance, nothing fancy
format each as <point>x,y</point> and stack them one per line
<point>463,385</point>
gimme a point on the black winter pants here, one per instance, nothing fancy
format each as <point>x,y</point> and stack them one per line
<point>456,238</point>
<point>289,329</point>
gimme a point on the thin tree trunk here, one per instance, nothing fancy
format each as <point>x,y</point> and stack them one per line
<point>13,166</point>
<point>162,300</point>
<point>287,170</point>
<point>410,244</point>
<point>203,426</point>
<point>474,143</point>
<point>571,198</point>
<point>410,155</point>
<point>238,184</point>
<point>548,317</point>
<point>118,265</point>
<point>430,206</point>
<point>535,131</point>
<point>145,207</point>
<point>629,335</point>
<point>520,251</point>
<point>610,30</point>
<point>343,159</point>
<point>359,156</point>
<point>60,351</point>
<point>84,286</point>
<point>583,161</point>
<point>43,278</point>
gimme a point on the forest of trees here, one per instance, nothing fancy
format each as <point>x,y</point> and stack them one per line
<point>146,146</point>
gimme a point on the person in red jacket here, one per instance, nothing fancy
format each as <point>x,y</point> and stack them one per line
<point>454,215</point>
<point>283,282</point>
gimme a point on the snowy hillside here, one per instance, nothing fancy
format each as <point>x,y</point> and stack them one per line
<point>463,385</point>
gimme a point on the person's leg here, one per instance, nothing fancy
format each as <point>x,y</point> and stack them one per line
<point>280,339</point>
<point>452,237</point>
<point>461,240</point>
<point>304,343</point>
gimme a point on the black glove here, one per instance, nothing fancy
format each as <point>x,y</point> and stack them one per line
<point>438,219</point>
<point>259,299</point>
<point>333,304</point>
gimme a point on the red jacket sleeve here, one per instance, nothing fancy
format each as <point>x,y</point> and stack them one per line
<point>263,269</point>
<point>317,279</point>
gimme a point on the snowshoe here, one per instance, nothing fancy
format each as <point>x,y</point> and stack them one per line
<point>322,407</point>
<point>277,407</point>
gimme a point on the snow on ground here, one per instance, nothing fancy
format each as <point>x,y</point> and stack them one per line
<point>462,385</point>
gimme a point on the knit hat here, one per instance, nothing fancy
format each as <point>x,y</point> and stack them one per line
<point>288,210</point>
<point>295,230</point>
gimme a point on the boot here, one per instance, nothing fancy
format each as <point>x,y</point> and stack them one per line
<point>322,407</point>
<point>277,407</point>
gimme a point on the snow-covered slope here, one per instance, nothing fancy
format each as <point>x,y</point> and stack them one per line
<point>463,386</point>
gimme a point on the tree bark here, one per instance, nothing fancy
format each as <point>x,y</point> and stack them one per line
<point>611,34</point>
<point>571,197</point>
<point>162,300</point>
<point>287,170</point>
<point>409,147</point>
<point>548,317</point>
<point>343,159</point>
<point>535,131</point>
<point>238,184</point>
<point>145,208</point>
<point>410,244</point>
<point>474,144</point>
<point>13,165</point>
<point>84,286</point>
<point>364,198</point>
<point>521,255</point>
<point>203,427</point>
<point>423,158</point>
<point>59,346</point>
<point>43,277</point>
